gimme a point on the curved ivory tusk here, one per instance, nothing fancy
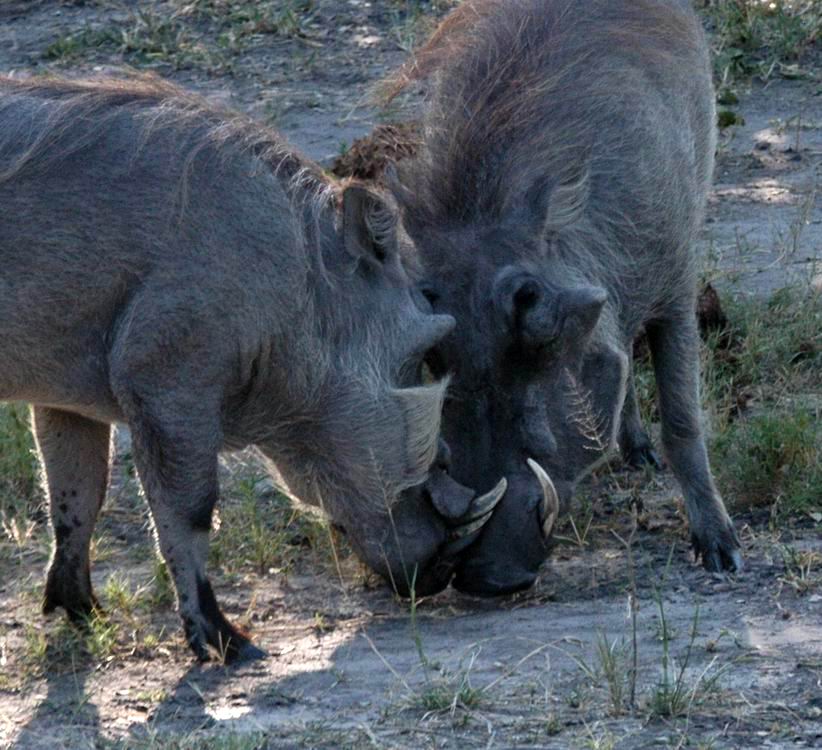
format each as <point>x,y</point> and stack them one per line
<point>483,505</point>
<point>467,529</point>
<point>550,499</point>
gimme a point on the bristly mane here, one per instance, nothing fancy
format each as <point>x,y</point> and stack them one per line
<point>496,69</point>
<point>86,108</point>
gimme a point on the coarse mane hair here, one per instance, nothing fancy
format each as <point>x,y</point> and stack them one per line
<point>81,112</point>
<point>516,97</point>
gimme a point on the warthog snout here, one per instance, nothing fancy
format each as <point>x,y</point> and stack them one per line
<point>495,566</point>
<point>429,529</point>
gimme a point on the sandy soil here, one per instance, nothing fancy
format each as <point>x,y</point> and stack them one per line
<point>349,666</point>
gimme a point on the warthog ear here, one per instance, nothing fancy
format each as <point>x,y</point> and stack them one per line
<point>369,226</point>
<point>561,202</point>
<point>537,313</point>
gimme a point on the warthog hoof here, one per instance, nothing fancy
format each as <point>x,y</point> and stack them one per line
<point>70,589</point>
<point>720,551</point>
<point>247,652</point>
<point>642,456</point>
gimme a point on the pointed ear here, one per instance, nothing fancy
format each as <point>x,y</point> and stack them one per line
<point>559,203</point>
<point>369,225</point>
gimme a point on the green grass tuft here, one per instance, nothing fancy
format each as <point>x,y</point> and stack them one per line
<point>18,461</point>
<point>261,530</point>
<point>761,37</point>
<point>772,459</point>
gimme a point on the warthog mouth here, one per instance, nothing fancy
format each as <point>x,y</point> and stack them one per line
<point>466,529</point>
<point>496,568</point>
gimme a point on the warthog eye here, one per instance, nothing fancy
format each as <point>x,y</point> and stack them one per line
<point>434,365</point>
<point>430,294</point>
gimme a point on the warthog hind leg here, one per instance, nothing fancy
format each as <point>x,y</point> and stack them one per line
<point>74,452</point>
<point>634,443</point>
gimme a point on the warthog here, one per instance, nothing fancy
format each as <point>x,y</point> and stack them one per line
<point>179,269</point>
<point>567,151</point>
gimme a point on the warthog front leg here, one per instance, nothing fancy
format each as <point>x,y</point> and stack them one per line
<point>74,452</point>
<point>175,444</point>
<point>634,443</point>
<point>675,348</point>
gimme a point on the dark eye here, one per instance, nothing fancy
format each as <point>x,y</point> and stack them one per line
<point>434,365</point>
<point>426,375</point>
<point>430,294</point>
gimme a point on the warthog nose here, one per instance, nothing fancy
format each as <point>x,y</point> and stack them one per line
<point>482,582</point>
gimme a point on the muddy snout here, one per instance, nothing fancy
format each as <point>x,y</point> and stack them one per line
<point>516,539</point>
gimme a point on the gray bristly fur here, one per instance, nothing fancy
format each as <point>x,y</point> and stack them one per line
<point>566,159</point>
<point>181,269</point>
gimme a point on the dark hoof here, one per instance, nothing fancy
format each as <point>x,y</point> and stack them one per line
<point>720,561</point>
<point>78,608</point>
<point>230,648</point>
<point>639,458</point>
<point>246,652</point>
<point>720,555</point>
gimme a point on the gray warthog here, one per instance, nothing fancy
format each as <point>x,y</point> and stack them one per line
<point>566,158</point>
<point>179,269</point>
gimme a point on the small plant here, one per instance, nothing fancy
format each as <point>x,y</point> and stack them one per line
<point>152,37</point>
<point>19,531</point>
<point>802,568</point>
<point>773,459</point>
<point>677,690</point>
<point>443,690</point>
<point>100,636</point>
<point>612,663</point>
<point>768,356</point>
<point>35,646</point>
<point>448,692</point>
<point>148,37</point>
<point>118,595</point>
<point>761,37</point>
<point>54,649</point>
<point>553,725</point>
<point>160,590</point>
<point>580,525</point>
<point>18,462</point>
<point>596,739</point>
<point>263,533</point>
<point>73,46</point>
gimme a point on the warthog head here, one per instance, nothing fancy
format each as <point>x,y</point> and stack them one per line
<point>367,449</point>
<point>535,389</point>
<point>498,200</point>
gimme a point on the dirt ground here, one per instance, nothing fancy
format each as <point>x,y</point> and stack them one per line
<point>350,665</point>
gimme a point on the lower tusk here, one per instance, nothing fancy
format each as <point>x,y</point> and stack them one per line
<point>486,503</point>
<point>550,499</point>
